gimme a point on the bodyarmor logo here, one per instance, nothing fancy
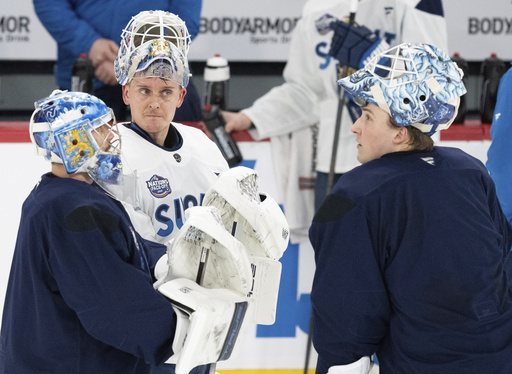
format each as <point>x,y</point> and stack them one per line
<point>159,186</point>
<point>323,24</point>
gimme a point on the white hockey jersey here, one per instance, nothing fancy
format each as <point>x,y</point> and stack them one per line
<point>310,93</point>
<point>168,181</point>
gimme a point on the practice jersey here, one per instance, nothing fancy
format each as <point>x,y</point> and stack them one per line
<point>168,180</point>
<point>410,252</point>
<point>310,92</point>
<point>80,297</point>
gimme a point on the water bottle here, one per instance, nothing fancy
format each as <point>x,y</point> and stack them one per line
<point>82,75</point>
<point>492,70</point>
<point>216,78</point>
<point>463,110</point>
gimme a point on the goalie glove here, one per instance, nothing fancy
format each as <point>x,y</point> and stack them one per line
<point>354,46</point>
<point>253,217</point>
<point>206,253</point>
<point>257,221</point>
<point>209,322</point>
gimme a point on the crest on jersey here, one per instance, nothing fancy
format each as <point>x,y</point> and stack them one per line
<point>159,186</point>
<point>323,24</point>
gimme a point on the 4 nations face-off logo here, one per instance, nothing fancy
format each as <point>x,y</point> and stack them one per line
<point>14,28</point>
<point>159,186</point>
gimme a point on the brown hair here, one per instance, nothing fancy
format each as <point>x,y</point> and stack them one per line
<point>418,140</point>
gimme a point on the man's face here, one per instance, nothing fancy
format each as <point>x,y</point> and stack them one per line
<point>375,136</point>
<point>153,103</point>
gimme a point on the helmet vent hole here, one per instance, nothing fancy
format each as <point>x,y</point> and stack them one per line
<point>74,142</point>
<point>406,101</point>
<point>448,79</point>
<point>83,111</point>
<point>423,98</point>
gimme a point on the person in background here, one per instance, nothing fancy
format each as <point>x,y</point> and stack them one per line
<point>94,27</point>
<point>410,246</point>
<point>309,94</point>
<point>500,150</point>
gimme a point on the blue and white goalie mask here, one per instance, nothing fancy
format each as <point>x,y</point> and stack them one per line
<point>79,131</point>
<point>154,44</point>
<point>416,84</point>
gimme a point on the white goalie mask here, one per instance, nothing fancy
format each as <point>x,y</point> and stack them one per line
<point>154,36</point>
<point>253,217</point>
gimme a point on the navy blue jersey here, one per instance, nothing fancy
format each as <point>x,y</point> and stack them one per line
<point>80,297</point>
<point>409,251</point>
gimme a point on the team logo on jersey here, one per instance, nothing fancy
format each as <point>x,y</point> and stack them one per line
<point>323,24</point>
<point>159,186</point>
<point>177,157</point>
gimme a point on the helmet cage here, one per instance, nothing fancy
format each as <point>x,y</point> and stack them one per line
<point>152,36</point>
<point>150,25</point>
<point>62,128</point>
<point>416,84</point>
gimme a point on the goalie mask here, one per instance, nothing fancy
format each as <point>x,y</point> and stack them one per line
<point>416,84</point>
<point>154,44</point>
<point>253,217</point>
<point>62,128</point>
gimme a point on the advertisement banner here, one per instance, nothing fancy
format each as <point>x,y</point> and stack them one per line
<point>249,30</point>
<point>478,28</point>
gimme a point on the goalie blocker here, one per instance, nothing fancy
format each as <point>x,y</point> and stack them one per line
<point>208,323</point>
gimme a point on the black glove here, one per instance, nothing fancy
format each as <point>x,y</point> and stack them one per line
<point>353,46</point>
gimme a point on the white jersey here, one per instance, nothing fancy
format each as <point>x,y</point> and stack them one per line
<point>309,94</point>
<point>168,180</point>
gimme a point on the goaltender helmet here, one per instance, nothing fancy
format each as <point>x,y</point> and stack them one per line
<point>253,217</point>
<point>155,44</point>
<point>416,84</point>
<point>62,126</point>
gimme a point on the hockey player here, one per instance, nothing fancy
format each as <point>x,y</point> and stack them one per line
<point>309,94</point>
<point>174,164</point>
<point>410,246</point>
<point>80,297</point>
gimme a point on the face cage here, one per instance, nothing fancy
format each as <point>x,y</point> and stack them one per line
<point>391,67</point>
<point>78,149</point>
<point>151,25</point>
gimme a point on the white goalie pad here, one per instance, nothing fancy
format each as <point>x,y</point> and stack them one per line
<point>206,253</point>
<point>265,290</point>
<point>254,217</point>
<point>216,319</point>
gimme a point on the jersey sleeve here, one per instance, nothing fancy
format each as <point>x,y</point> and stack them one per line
<point>71,32</point>
<point>500,150</point>
<point>101,270</point>
<point>424,22</point>
<point>292,105</point>
<point>351,310</point>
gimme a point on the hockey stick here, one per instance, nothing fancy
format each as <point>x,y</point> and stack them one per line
<point>330,178</point>
<point>341,104</point>
<point>200,277</point>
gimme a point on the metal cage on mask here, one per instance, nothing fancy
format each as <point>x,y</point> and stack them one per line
<point>62,128</point>
<point>416,84</point>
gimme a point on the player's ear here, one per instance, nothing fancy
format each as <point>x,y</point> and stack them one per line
<point>402,135</point>
<point>183,92</point>
<point>126,96</point>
